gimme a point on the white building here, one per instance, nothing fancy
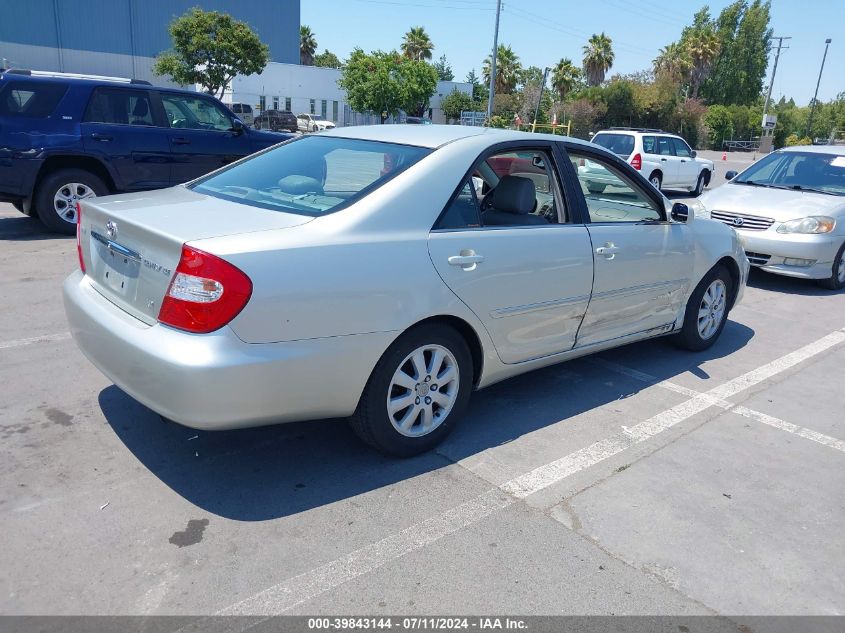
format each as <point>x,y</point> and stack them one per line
<point>315,90</point>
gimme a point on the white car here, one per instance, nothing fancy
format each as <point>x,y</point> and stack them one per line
<point>665,159</point>
<point>789,212</point>
<point>320,279</point>
<point>312,123</point>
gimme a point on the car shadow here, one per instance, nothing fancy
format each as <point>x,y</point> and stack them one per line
<point>24,228</point>
<point>276,471</point>
<point>787,285</point>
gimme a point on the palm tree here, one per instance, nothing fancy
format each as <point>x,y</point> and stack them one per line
<point>508,69</point>
<point>672,61</point>
<point>416,44</point>
<point>307,46</point>
<point>598,58</point>
<point>564,76</point>
<point>702,48</point>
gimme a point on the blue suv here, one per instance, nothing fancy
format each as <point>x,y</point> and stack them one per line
<point>62,139</point>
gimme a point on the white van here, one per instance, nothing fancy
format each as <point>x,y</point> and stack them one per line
<point>244,112</point>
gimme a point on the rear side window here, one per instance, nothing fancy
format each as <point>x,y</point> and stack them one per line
<point>648,145</point>
<point>120,107</point>
<point>34,100</point>
<point>620,144</point>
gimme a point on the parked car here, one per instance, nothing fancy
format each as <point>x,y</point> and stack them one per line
<point>276,121</point>
<point>313,123</point>
<point>789,211</point>
<point>244,112</point>
<point>63,139</point>
<point>318,279</point>
<point>417,120</point>
<point>665,159</point>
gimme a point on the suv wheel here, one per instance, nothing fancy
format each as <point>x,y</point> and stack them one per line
<point>699,185</point>
<point>58,193</point>
<point>656,180</point>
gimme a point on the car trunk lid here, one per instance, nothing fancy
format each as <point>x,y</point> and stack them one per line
<point>131,243</point>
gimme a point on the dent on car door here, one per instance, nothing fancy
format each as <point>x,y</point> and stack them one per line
<point>527,276</point>
<point>643,262</point>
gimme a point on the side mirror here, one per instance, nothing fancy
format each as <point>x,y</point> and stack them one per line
<point>693,153</point>
<point>681,212</point>
<point>237,126</point>
<point>730,175</point>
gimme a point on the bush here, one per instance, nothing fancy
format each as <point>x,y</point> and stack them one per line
<point>719,125</point>
<point>793,140</point>
<point>454,103</point>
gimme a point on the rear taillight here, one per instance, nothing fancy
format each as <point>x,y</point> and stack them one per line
<point>637,161</point>
<point>205,294</point>
<point>79,236</point>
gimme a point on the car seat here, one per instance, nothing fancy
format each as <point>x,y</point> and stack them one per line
<point>510,203</point>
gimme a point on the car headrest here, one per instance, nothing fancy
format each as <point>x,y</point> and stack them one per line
<point>298,185</point>
<point>514,194</point>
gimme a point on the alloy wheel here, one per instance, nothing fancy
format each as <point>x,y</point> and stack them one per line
<point>711,311</point>
<point>423,390</point>
<point>64,202</point>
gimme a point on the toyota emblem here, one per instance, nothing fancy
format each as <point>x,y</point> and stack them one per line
<point>111,229</point>
<point>739,221</point>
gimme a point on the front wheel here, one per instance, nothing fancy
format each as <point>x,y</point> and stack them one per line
<point>59,192</point>
<point>836,281</point>
<point>707,311</point>
<point>699,185</point>
<point>416,393</point>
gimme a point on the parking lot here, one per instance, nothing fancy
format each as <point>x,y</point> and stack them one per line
<point>645,480</point>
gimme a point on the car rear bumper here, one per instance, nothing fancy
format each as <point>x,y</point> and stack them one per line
<point>772,252</point>
<point>216,381</point>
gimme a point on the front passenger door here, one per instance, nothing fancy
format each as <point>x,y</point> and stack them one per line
<point>643,261</point>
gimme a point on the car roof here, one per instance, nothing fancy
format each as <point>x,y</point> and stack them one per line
<point>434,136</point>
<point>80,81</point>
<point>837,150</point>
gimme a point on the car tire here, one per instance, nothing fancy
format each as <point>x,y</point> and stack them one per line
<point>656,180</point>
<point>377,424</point>
<point>836,281</point>
<point>57,193</point>
<point>699,184</point>
<point>707,311</point>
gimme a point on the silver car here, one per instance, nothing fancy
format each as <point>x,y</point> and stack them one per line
<point>789,212</point>
<point>383,273</point>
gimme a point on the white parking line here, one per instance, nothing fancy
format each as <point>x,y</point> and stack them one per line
<point>294,591</point>
<point>48,338</point>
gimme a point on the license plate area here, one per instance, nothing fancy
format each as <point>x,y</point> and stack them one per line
<point>116,268</point>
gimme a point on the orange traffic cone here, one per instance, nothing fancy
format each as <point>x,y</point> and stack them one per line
<point>724,155</point>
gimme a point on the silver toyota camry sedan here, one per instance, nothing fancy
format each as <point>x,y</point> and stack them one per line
<point>382,273</point>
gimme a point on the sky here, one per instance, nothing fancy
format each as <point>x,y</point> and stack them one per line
<point>541,33</point>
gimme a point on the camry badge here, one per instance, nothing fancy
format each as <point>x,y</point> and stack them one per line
<point>739,221</point>
<point>111,229</point>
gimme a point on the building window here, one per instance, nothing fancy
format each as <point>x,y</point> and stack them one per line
<point>262,103</point>
<point>334,111</point>
<point>287,104</point>
<point>313,106</point>
<point>323,108</point>
<point>275,103</point>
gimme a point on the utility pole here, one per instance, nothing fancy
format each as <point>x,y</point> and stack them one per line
<point>766,140</point>
<point>540,98</point>
<point>815,96</point>
<point>493,65</point>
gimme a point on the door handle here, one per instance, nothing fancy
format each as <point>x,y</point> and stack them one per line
<point>180,140</point>
<point>683,161</point>
<point>662,160</point>
<point>101,137</point>
<point>468,259</point>
<point>609,250</point>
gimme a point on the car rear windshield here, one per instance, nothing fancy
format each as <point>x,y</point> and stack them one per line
<point>620,144</point>
<point>30,99</point>
<point>800,171</point>
<point>312,175</point>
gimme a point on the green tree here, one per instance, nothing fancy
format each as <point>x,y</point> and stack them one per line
<point>479,90</point>
<point>719,124</point>
<point>598,58</point>
<point>416,44</point>
<point>508,69</point>
<point>327,59</point>
<point>444,70</point>
<point>209,49</point>
<point>701,48</point>
<point>387,83</point>
<point>456,102</point>
<point>531,75</point>
<point>565,76</point>
<point>307,46</point>
<point>673,62</point>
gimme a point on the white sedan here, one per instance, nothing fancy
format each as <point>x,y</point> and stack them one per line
<point>789,211</point>
<point>383,273</point>
<point>313,123</point>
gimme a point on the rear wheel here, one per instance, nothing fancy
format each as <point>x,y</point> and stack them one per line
<point>656,180</point>
<point>416,393</point>
<point>836,281</point>
<point>58,193</point>
<point>707,311</point>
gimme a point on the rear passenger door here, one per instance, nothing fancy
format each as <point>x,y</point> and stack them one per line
<point>529,280</point>
<point>202,136</point>
<point>122,129</point>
